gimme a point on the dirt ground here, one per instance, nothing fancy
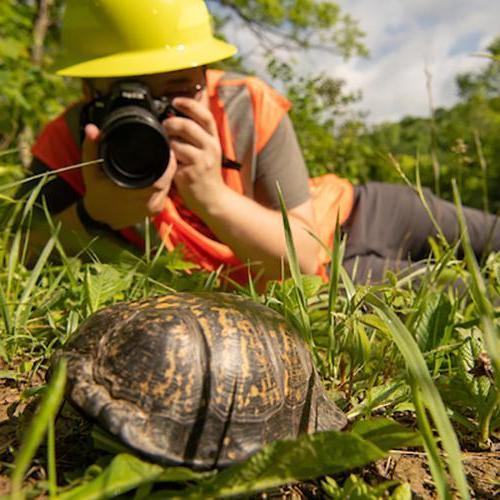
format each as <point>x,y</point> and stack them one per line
<point>74,452</point>
<point>482,470</point>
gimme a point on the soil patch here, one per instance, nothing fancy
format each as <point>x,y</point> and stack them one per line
<point>482,471</point>
<point>9,400</point>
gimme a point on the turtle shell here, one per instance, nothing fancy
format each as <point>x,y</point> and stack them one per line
<point>203,380</point>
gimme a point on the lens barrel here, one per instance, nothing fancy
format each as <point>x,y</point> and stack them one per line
<point>134,147</point>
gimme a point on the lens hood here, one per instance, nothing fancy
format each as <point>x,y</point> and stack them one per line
<point>134,147</point>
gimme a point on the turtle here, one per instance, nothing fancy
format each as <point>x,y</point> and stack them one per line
<point>203,380</point>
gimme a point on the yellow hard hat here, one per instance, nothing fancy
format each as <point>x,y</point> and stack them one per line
<point>109,38</point>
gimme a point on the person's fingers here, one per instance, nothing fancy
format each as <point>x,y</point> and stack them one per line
<point>90,153</point>
<point>90,142</point>
<point>164,182</point>
<point>187,130</point>
<point>156,202</point>
<point>185,153</point>
<point>197,112</point>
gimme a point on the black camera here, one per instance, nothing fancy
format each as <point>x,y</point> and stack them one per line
<point>133,144</point>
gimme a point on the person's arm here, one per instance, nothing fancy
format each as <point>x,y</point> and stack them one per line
<point>104,202</point>
<point>253,231</point>
<point>108,245</point>
<point>256,233</point>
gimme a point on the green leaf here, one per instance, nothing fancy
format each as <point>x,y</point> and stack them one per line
<point>8,374</point>
<point>356,489</point>
<point>433,320</point>
<point>402,492</point>
<point>282,462</point>
<point>11,48</point>
<point>386,434</point>
<point>125,473</point>
<point>103,282</point>
<point>312,284</point>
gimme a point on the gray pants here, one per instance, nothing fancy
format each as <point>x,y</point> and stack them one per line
<point>389,230</point>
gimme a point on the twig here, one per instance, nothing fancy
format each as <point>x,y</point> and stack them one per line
<point>482,455</point>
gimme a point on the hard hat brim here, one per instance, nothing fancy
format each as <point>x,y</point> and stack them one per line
<point>146,62</point>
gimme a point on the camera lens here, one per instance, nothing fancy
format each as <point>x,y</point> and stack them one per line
<point>134,147</point>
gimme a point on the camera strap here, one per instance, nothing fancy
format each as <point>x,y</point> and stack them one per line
<point>231,164</point>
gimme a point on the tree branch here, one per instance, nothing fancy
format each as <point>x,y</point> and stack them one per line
<point>261,29</point>
<point>40,29</point>
<point>42,23</point>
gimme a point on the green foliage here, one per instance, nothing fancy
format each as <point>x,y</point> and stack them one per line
<point>463,140</point>
<point>43,419</point>
<point>280,463</point>
<point>486,82</point>
<point>357,352</point>
<point>466,149</point>
<point>30,95</point>
<point>426,394</point>
<point>378,349</point>
<point>126,473</point>
<point>296,24</point>
<point>322,115</point>
<point>357,489</point>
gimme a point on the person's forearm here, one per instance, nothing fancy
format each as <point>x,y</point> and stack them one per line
<point>74,237</point>
<point>256,234</point>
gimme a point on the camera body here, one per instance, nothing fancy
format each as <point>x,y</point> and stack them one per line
<point>133,144</point>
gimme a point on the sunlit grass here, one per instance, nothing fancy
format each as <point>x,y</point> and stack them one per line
<point>410,345</point>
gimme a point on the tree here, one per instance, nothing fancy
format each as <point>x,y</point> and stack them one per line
<point>321,108</point>
<point>30,95</point>
<point>466,142</point>
<point>485,82</point>
<point>293,24</point>
<point>29,32</point>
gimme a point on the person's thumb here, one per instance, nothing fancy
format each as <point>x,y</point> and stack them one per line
<point>90,149</point>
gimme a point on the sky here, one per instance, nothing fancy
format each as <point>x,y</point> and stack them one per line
<point>406,37</point>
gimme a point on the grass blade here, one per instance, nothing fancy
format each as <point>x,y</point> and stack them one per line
<point>480,293</point>
<point>431,448</point>
<point>24,304</point>
<point>486,311</point>
<point>335,264</point>
<point>45,414</point>
<point>4,308</point>
<point>293,263</point>
<point>51,459</point>
<point>420,375</point>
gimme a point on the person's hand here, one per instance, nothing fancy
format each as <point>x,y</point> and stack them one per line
<point>195,142</point>
<point>116,206</point>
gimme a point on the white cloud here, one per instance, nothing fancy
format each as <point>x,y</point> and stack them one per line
<point>404,37</point>
<point>407,37</point>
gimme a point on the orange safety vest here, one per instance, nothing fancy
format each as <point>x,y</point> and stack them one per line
<point>178,226</point>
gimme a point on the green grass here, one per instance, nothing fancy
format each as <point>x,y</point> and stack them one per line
<point>386,350</point>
